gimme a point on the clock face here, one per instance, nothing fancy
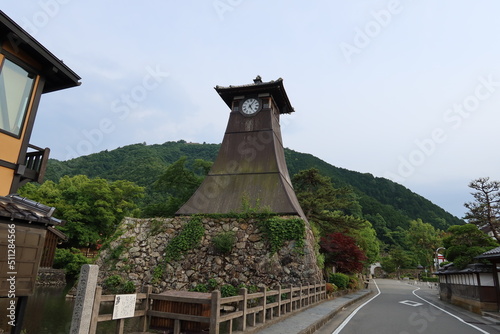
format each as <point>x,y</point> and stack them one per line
<point>250,106</point>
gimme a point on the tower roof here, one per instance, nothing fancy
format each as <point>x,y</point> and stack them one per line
<point>250,168</point>
<point>273,87</point>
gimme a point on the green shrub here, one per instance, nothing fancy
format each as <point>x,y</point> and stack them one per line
<point>115,284</point>
<point>71,260</point>
<point>340,280</point>
<point>200,288</point>
<point>430,279</point>
<point>112,283</point>
<point>157,274</point>
<point>128,287</point>
<point>188,238</point>
<point>278,231</point>
<point>224,242</point>
<point>353,282</point>
<point>331,288</point>
<point>228,290</point>
<point>212,284</point>
<point>117,252</point>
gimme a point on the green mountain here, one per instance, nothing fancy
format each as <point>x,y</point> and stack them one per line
<point>386,204</point>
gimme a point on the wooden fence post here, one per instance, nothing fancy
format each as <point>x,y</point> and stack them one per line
<point>120,325</point>
<point>145,306</point>
<point>242,326</point>
<point>95,310</point>
<point>300,297</point>
<point>279,301</point>
<point>215,312</point>
<point>262,315</point>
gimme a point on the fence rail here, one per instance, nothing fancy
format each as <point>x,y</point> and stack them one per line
<point>214,313</point>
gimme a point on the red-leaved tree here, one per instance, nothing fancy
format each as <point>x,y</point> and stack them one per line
<point>342,252</point>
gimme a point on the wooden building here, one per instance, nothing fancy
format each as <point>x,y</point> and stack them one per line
<point>476,287</point>
<point>27,70</point>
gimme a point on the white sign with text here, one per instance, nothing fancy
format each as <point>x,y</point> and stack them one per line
<point>124,306</point>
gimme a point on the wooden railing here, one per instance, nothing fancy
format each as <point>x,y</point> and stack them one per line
<point>141,312</point>
<point>253,309</point>
<point>237,313</point>
<point>36,163</point>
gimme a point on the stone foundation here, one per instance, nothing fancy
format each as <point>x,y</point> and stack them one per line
<point>51,277</point>
<point>249,263</point>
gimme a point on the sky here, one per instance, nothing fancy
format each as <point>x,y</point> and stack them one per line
<point>407,90</point>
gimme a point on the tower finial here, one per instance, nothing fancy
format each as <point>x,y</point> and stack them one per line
<point>257,79</point>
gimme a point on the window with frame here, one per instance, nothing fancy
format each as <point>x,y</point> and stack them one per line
<point>16,85</point>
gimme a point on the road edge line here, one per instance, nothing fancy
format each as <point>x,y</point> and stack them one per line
<point>449,313</point>
<point>346,321</point>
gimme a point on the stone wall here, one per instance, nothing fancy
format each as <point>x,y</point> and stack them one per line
<point>51,277</point>
<point>136,253</point>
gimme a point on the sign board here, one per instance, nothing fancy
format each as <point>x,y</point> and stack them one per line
<point>124,306</point>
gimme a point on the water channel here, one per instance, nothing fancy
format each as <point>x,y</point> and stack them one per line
<point>49,312</point>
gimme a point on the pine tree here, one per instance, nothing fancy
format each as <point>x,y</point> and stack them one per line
<point>485,210</point>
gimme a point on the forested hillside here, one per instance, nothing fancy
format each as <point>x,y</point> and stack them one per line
<point>386,204</point>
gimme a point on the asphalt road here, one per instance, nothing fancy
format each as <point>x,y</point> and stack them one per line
<point>397,307</point>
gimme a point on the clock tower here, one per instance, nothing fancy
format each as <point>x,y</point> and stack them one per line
<point>250,168</point>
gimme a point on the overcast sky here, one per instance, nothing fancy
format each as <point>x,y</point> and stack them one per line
<point>407,90</point>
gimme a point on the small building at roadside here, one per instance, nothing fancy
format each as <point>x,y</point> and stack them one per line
<point>475,287</point>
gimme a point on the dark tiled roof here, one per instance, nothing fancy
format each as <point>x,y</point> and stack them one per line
<point>492,253</point>
<point>274,87</point>
<point>21,208</point>
<point>471,268</point>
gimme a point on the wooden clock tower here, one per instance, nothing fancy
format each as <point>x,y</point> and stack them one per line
<point>251,166</point>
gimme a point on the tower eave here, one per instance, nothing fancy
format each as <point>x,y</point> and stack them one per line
<point>273,87</point>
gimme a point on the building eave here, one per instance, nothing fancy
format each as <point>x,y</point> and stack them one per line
<point>58,75</point>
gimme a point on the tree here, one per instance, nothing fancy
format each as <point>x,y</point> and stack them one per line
<point>316,194</point>
<point>397,258</point>
<point>176,185</point>
<point>464,243</point>
<point>335,211</point>
<point>332,209</point>
<point>342,252</point>
<point>485,211</point>
<point>367,241</point>
<point>423,239</point>
<point>92,208</point>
